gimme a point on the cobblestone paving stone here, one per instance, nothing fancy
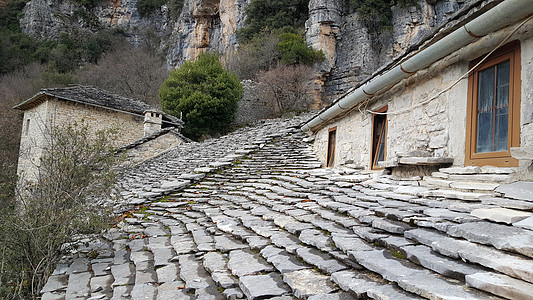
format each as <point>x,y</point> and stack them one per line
<point>272,224</point>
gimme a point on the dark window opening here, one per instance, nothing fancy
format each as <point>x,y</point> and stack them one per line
<point>379,138</point>
<point>332,135</point>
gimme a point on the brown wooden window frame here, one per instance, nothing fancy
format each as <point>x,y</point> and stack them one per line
<point>375,152</point>
<point>510,52</point>
<point>330,155</point>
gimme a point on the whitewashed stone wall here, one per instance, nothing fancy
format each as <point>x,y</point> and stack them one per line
<point>438,127</point>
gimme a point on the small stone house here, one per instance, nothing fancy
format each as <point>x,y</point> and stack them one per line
<point>464,98</point>
<point>138,123</point>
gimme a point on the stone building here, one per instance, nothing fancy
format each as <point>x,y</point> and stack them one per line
<point>138,123</point>
<point>462,98</point>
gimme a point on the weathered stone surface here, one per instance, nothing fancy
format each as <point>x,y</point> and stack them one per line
<point>226,244</point>
<point>443,265</point>
<point>282,260</point>
<point>254,263</point>
<point>262,286</point>
<point>52,296</point>
<point>123,274</point>
<point>305,283</point>
<point>501,285</point>
<point>501,215</point>
<point>482,186</point>
<point>78,285</point>
<point>461,170</point>
<point>349,243</point>
<point>321,260</point>
<point>500,236</point>
<point>55,283</point>
<point>511,265</point>
<point>521,190</point>
<point>173,291</point>
<point>168,273</point>
<point>335,296</point>
<point>526,223</point>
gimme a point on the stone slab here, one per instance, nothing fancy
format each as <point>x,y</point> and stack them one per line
<point>501,285</point>
<point>308,282</point>
<point>257,287</point>
<point>521,190</point>
<point>55,283</point>
<point>500,236</point>
<point>501,215</point>
<point>254,263</point>
<point>526,223</point>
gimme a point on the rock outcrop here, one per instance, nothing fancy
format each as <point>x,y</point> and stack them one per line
<point>352,52</point>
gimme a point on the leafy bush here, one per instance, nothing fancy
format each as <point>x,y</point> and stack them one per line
<point>206,94</point>
<point>274,14</point>
<point>75,170</point>
<point>147,7</point>
<point>293,50</point>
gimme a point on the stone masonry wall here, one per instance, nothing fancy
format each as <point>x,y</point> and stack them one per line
<point>152,148</point>
<point>52,112</point>
<point>438,127</point>
<point>32,141</point>
<point>130,127</point>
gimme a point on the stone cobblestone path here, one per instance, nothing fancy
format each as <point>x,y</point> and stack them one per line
<point>253,216</point>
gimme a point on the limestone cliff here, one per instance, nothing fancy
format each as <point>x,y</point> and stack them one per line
<point>352,53</point>
<point>202,24</point>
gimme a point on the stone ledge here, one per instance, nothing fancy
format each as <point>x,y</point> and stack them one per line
<point>425,161</point>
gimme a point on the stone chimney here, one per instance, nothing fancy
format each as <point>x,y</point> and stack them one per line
<point>152,121</point>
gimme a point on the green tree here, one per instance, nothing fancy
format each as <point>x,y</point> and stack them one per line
<point>274,14</point>
<point>205,93</point>
<point>293,50</point>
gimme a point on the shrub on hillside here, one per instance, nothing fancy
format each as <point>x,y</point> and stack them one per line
<point>205,93</point>
<point>293,50</point>
<point>268,15</point>
<point>287,87</point>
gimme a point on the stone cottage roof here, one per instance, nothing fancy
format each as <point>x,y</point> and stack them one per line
<point>252,215</point>
<point>97,97</point>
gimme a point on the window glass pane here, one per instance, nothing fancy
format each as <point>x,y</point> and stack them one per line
<point>501,123</point>
<point>486,90</point>
<point>502,88</point>
<point>484,107</point>
<point>484,132</point>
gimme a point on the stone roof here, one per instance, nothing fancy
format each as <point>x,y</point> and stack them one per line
<point>252,215</point>
<point>94,96</point>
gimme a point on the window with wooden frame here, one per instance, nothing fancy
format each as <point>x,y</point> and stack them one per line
<point>379,137</point>
<point>493,111</point>
<point>332,136</point>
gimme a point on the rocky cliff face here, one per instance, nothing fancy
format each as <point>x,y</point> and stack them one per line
<point>352,53</point>
<point>202,25</point>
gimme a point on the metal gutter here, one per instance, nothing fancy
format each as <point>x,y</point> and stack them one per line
<point>503,14</point>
